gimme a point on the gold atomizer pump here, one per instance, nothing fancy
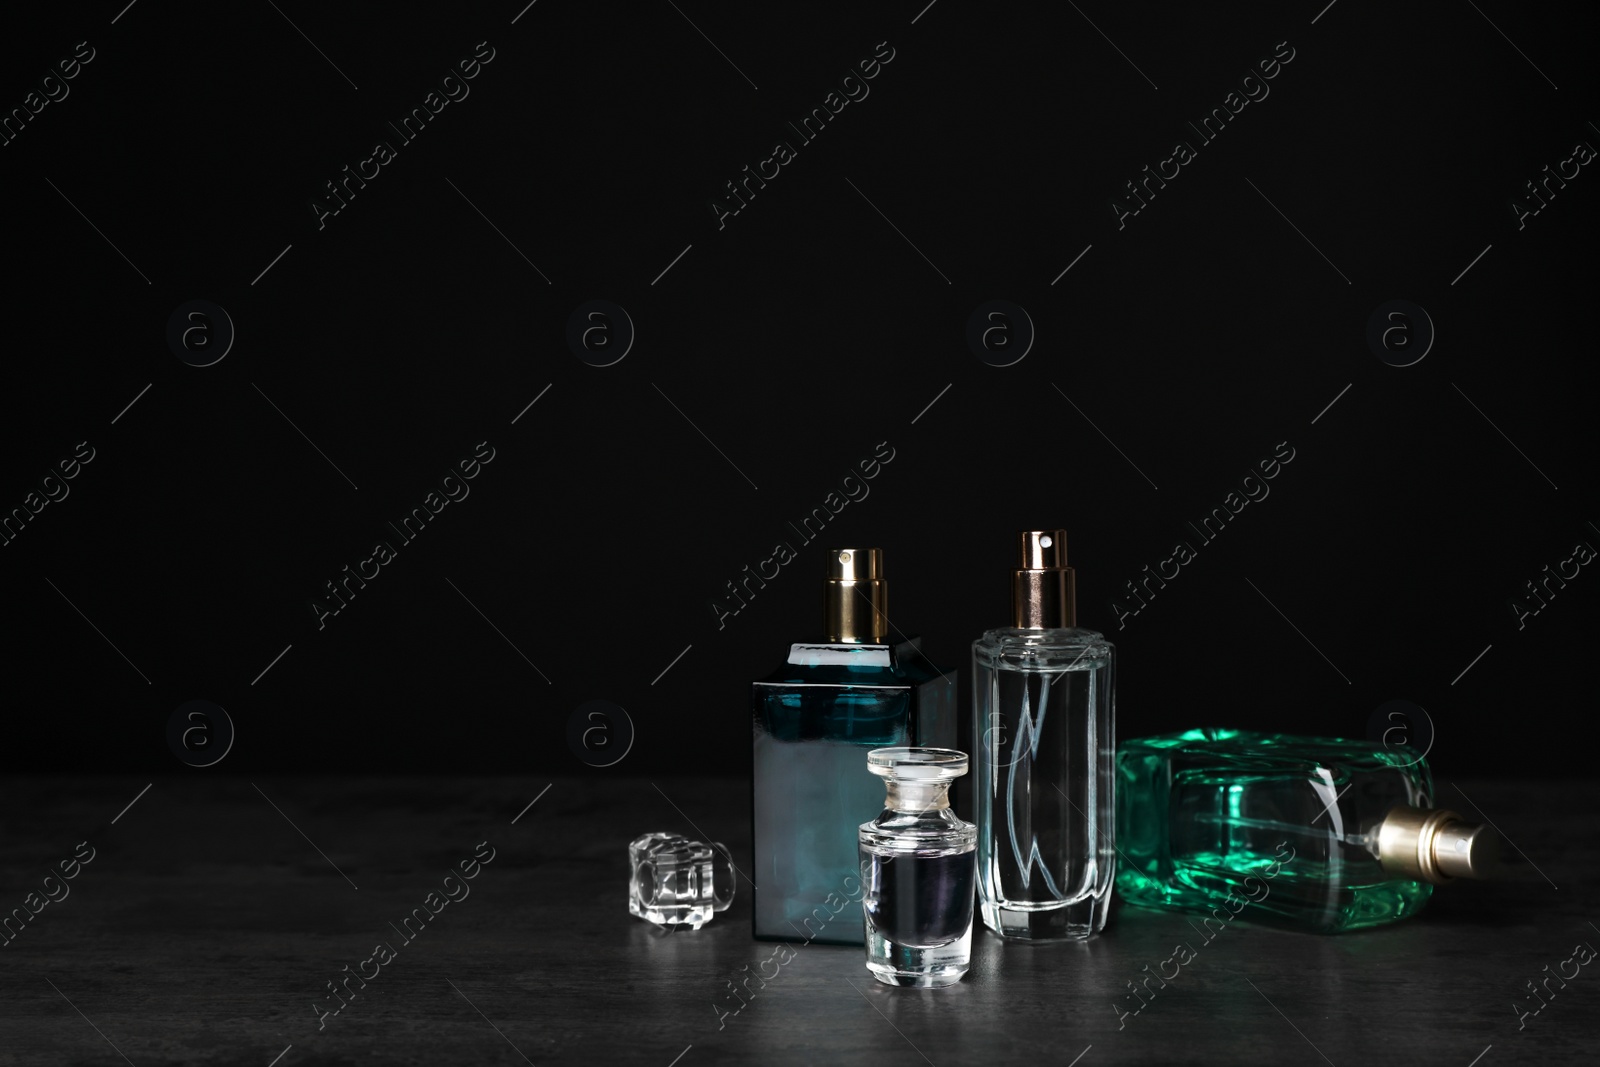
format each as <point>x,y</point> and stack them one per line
<point>855,596</point>
<point>1043,593</point>
<point>1437,846</point>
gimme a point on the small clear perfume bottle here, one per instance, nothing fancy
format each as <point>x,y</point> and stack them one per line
<point>1043,731</point>
<point>1315,833</point>
<point>917,863</point>
<point>813,722</point>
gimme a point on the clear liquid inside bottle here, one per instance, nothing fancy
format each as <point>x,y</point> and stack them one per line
<point>917,867</point>
<point>1043,727</point>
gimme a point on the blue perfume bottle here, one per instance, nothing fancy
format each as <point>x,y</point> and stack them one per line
<point>814,721</point>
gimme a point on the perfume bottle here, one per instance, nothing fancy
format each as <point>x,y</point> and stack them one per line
<point>1316,833</point>
<point>814,721</point>
<point>1043,711</point>
<point>918,866</point>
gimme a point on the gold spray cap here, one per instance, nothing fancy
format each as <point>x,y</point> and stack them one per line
<point>1043,594</point>
<point>855,597</point>
<point>1433,845</point>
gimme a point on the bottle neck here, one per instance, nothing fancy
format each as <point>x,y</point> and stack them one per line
<point>915,798</point>
<point>1043,599</point>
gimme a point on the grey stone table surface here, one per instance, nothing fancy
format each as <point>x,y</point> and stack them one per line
<point>206,921</point>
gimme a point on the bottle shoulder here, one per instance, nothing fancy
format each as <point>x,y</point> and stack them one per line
<point>931,833</point>
<point>854,663</point>
<point>1065,648</point>
<point>1057,637</point>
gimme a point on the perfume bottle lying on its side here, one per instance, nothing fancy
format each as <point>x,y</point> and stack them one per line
<point>1315,833</point>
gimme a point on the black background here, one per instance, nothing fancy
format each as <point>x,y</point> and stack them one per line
<point>796,338</point>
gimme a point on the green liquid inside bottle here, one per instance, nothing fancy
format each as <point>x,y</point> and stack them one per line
<point>1279,829</point>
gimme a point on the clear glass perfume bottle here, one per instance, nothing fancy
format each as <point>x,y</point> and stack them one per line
<point>918,866</point>
<point>814,721</point>
<point>1316,833</point>
<point>1043,727</point>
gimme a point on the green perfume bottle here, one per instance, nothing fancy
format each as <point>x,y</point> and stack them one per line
<point>1314,833</point>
